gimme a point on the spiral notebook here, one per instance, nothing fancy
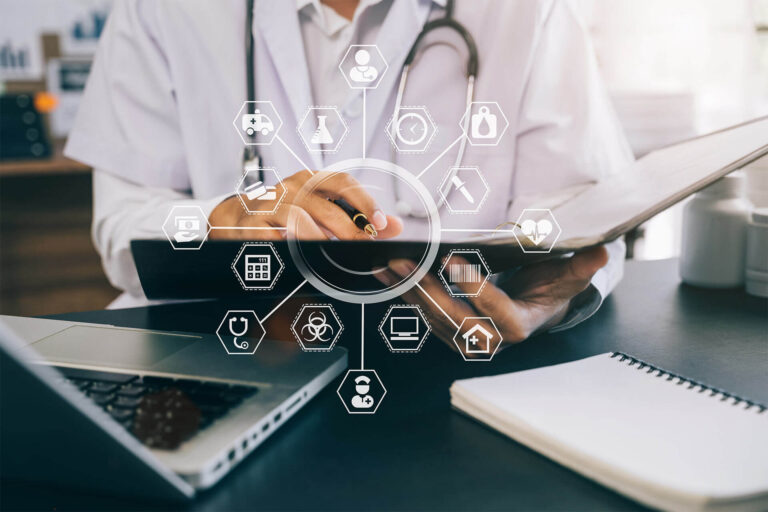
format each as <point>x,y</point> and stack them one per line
<point>657,437</point>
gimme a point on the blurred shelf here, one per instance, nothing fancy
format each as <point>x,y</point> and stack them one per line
<point>57,164</point>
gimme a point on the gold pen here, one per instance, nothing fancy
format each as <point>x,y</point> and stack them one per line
<point>358,217</point>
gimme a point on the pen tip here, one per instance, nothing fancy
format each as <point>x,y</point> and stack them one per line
<point>371,230</point>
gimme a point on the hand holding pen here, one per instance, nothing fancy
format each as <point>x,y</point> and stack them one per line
<point>350,214</point>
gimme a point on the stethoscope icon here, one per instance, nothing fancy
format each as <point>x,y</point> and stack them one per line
<point>242,345</point>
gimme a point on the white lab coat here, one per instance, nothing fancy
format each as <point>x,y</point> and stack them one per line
<point>169,79</point>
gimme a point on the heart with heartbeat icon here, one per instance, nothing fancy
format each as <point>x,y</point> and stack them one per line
<point>536,231</point>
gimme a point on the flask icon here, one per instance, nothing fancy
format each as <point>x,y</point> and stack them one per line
<point>483,124</point>
<point>321,135</point>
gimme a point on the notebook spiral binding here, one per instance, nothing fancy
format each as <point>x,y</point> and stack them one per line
<point>660,372</point>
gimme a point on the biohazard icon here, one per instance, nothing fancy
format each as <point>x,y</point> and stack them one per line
<point>317,327</point>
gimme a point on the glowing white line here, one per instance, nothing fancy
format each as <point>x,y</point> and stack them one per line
<point>254,228</point>
<point>305,166</point>
<point>441,155</point>
<point>436,304</point>
<point>364,109</point>
<point>263,319</point>
<point>462,230</point>
<point>362,334</point>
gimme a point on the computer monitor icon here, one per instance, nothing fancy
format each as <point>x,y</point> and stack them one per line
<point>403,328</point>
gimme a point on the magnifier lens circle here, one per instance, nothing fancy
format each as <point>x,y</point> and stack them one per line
<point>338,269</point>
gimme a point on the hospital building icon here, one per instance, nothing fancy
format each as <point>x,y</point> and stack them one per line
<point>477,340</point>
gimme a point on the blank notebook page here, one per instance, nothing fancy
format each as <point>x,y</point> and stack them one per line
<point>607,415</point>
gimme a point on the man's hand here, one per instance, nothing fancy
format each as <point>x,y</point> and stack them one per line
<point>535,299</point>
<point>317,217</point>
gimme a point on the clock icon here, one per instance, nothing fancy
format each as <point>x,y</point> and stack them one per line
<point>411,129</point>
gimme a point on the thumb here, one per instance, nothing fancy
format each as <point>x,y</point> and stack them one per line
<point>585,264</point>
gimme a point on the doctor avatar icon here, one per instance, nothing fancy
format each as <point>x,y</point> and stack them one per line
<point>361,391</point>
<point>404,328</point>
<point>322,129</point>
<point>186,227</point>
<point>241,332</point>
<point>257,123</point>
<point>464,190</point>
<point>477,338</point>
<point>362,72</point>
<point>484,123</point>
<point>363,66</point>
<point>411,129</point>
<point>317,327</point>
<point>537,230</point>
<point>260,190</point>
<point>464,273</point>
<point>257,266</point>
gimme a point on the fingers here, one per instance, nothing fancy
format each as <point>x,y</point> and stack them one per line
<point>331,217</point>
<point>583,265</point>
<point>343,186</point>
<point>441,303</point>
<point>393,229</point>
<point>298,223</point>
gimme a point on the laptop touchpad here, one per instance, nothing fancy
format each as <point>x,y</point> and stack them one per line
<point>115,347</point>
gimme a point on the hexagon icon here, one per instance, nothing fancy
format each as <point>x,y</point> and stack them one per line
<point>484,123</point>
<point>477,338</point>
<point>411,130</point>
<point>322,129</point>
<point>186,227</point>
<point>464,272</point>
<point>257,123</point>
<point>464,190</point>
<point>363,66</point>
<point>537,230</point>
<point>361,391</point>
<point>255,195</point>
<point>404,328</point>
<point>241,332</point>
<point>257,266</point>
<point>317,327</point>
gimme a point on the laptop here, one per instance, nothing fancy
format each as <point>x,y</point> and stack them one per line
<point>145,413</point>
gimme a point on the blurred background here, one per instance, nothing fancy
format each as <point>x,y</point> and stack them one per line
<point>675,69</point>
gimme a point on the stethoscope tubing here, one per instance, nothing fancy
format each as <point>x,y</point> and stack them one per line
<point>251,153</point>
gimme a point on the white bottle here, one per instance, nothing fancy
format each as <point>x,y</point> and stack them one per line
<point>714,235</point>
<point>757,253</point>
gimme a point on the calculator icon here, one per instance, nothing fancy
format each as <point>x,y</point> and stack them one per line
<point>258,267</point>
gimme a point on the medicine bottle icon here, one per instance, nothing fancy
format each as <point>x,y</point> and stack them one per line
<point>483,124</point>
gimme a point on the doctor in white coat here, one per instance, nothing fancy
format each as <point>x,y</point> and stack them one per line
<point>169,78</point>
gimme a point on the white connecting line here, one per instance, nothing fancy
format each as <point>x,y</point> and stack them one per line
<point>256,228</point>
<point>362,334</point>
<point>437,305</point>
<point>264,318</point>
<point>364,109</point>
<point>303,165</point>
<point>466,230</point>
<point>441,155</point>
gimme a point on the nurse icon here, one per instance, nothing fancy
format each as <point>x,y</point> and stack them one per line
<point>362,73</point>
<point>362,400</point>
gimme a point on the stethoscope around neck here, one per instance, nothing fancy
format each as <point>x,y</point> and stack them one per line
<point>403,208</point>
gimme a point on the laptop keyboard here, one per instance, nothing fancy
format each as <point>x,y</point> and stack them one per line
<point>161,412</point>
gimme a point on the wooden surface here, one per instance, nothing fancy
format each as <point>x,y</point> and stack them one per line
<point>47,260</point>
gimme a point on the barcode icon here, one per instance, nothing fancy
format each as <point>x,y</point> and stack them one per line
<point>464,273</point>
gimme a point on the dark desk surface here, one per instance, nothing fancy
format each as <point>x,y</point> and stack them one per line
<point>416,453</point>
